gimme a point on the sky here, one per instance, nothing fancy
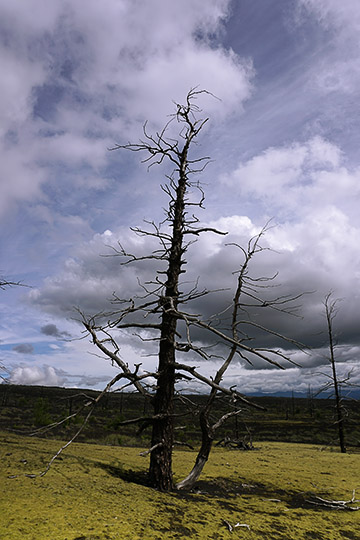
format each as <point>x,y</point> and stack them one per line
<point>283,137</point>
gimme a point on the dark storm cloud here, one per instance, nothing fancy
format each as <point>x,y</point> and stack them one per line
<point>24,348</point>
<point>52,330</point>
<point>92,280</point>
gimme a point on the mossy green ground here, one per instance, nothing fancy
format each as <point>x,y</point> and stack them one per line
<point>91,493</point>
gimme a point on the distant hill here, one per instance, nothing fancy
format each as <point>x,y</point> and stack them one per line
<point>350,394</point>
<point>287,417</point>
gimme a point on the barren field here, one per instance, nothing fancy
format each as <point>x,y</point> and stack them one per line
<point>99,492</point>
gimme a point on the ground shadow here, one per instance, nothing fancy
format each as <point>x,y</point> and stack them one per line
<point>128,475</point>
<point>223,489</point>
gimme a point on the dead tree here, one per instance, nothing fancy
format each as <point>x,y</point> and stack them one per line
<point>247,299</point>
<point>4,283</point>
<point>335,383</point>
<point>161,309</point>
<point>4,374</point>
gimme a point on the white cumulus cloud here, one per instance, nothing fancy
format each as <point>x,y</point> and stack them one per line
<point>36,375</point>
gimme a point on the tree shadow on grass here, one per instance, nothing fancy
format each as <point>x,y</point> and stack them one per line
<point>224,490</point>
<point>217,487</point>
<point>128,475</point>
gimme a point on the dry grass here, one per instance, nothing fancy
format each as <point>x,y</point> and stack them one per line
<point>95,492</point>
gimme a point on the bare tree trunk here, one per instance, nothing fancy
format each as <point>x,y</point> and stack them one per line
<point>160,471</point>
<point>3,284</point>
<point>208,435</point>
<point>330,314</point>
<point>207,430</point>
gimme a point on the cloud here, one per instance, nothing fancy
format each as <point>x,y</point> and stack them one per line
<point>24,348</point>
<point>90,280</point>
<point>338,70</point>
<point>306,184</point>
<point>284,138</point>
<point>311,191</point>
<point>35,375</point>
<point>271,381</point>
<point>334,13</point>
<point>52,330</point>
<point>79,76</point>
<point>294,178</point>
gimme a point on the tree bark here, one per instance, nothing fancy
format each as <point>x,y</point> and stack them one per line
<point>160,470</point>
<point>203,454</point>
<point>330,313</point>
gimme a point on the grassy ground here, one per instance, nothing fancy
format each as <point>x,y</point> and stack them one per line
<point>93,492</point>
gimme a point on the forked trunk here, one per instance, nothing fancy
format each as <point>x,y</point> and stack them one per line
<point>202,457</point>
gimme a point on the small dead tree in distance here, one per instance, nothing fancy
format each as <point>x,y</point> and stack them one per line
<point>331,312</point>
<point>161,308</point>
<point>4,283</point>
